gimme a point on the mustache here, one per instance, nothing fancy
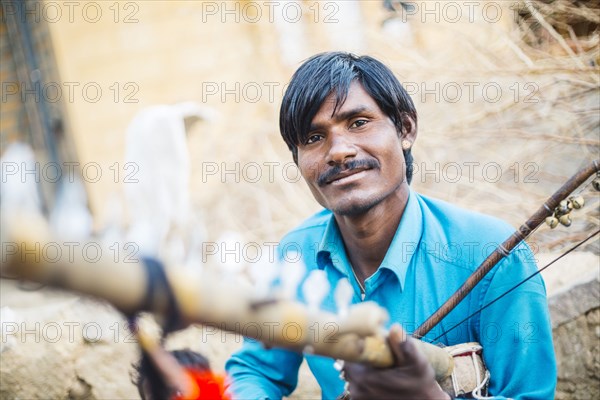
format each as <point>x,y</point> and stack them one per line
<point>337,169</point>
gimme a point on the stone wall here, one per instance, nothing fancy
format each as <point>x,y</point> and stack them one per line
<point>576,327</point>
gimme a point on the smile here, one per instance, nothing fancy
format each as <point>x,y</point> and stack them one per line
<point>348,176</point>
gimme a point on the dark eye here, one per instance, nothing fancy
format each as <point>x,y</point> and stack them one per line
<point>314,138</point>
<point>358,123</point>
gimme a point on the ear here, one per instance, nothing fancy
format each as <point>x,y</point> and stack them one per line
<point>409,128</point>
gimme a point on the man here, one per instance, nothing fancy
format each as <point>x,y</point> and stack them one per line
<point>350,126</point>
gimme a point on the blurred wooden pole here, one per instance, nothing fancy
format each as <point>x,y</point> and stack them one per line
<point>205,298</point>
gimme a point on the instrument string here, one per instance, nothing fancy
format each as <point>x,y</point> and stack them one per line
<point>515,287</point>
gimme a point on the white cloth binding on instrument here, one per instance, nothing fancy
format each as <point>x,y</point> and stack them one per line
<point>470,375</point>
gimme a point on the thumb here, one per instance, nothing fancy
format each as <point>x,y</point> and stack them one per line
<point>403,347</point>
<point>396,337</point>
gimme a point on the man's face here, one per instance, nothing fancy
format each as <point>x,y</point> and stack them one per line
<point>352,160</point>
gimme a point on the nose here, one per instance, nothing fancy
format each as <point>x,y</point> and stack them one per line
<point>340,149</point>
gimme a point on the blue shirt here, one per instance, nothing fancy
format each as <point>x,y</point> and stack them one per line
<point>434,250</point>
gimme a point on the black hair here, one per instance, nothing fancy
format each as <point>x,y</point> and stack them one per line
<point>334,72</point>
<point>147,372</point>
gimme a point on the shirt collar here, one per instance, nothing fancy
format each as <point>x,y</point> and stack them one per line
<point>399,254</point>
<point>406,239</point>
<point>332,248</point>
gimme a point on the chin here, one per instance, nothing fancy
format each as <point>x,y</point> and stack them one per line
<point>354,208</point>
<point>360,203</point>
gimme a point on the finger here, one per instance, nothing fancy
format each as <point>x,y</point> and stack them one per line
<point>396,338</point>
<point>397,334</point>
<point>353,371</point>
<point>354,375</point>
<point>404,348</point>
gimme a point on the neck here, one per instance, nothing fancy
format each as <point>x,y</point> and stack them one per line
<point>368,236</point>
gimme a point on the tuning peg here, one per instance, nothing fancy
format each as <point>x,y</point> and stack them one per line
<point>292,272</point>
<point>315,289</point>
<point>231,266</point>
<point>343,296</point>
<point>263,274</point>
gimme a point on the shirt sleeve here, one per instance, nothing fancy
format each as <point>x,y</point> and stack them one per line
<point>258,373</point>
<point>516,333</point>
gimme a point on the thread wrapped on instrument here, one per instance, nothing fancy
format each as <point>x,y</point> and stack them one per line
<point>158,285</point>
